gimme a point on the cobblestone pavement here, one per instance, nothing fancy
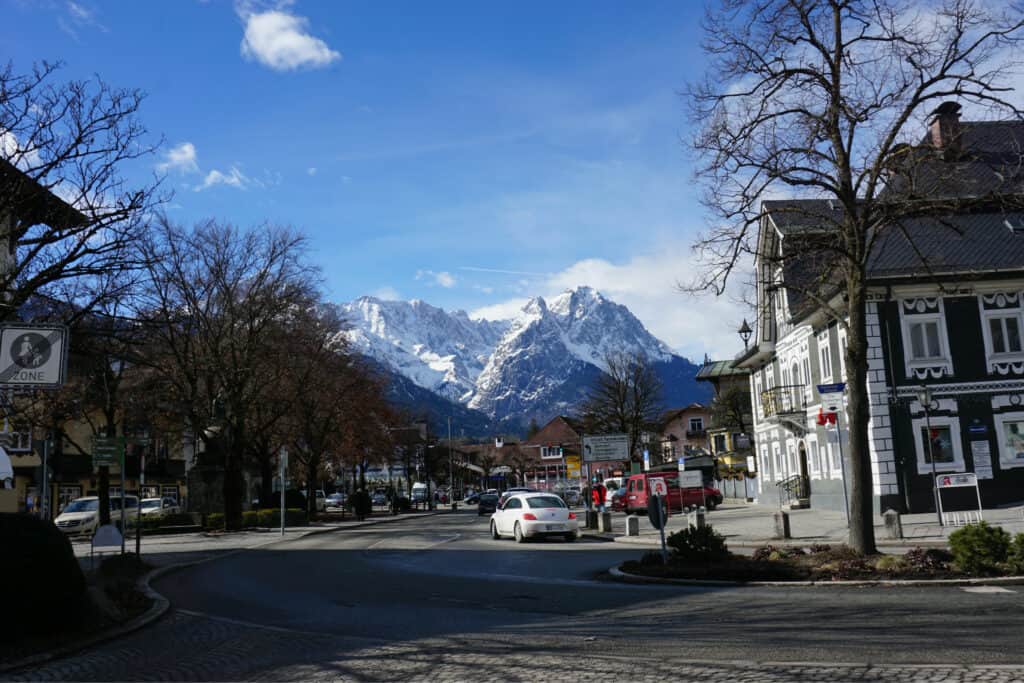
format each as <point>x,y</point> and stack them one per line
<point>190,646</point>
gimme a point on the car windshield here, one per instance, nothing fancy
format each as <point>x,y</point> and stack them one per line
<point>150,504</point>
<point>545,502</point>
<point>83,505</point>
<point>488,498</point>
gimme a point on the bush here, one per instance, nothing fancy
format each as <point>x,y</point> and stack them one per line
<point>250,518</point>
<point>931,560</point>
<point>215,520</point>
<point>979,548</point>
<point>890,564</point>
<point>271,518</point>
<point>1015,558</point>
<point>763,553</point>
<point>50,587</point>
<point>698,544</point>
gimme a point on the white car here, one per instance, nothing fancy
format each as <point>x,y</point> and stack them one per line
<point>82,515</point>
<point>532,515</point>
<point>159,507</point>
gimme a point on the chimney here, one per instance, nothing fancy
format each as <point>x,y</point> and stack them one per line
<point>944,129</point>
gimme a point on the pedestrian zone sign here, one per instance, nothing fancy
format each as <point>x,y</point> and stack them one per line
<point>658,486</point>
<point>33,355</point>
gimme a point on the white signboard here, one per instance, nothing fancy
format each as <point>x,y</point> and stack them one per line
<point>751,463</point>
<point>948,481</point>
<point>691,479</point>
<point>33,355</point>
<point>682,465</point>
<point>658,486</point>
<point>606,448</point>
<point>107,537</point>
<point>982,454</point>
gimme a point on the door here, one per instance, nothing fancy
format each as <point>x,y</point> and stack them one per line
<point>509,515</point>
<point>805,479</point>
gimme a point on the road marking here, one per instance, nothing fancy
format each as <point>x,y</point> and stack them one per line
<point>985,589</point>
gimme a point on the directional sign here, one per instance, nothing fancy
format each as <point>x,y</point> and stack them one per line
<point>33,355</point>
<point>836,388</point>
<point>107,450</point>
<point>605,448</point>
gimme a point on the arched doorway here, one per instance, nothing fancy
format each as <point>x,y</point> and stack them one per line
<point>804,492</point>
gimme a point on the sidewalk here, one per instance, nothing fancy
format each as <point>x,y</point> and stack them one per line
<point>160,551</point>
<point>750,526</point>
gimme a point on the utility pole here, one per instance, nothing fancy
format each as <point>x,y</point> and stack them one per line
<point>451,466</point>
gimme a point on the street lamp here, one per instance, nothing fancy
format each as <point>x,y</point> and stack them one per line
<point>925,398</point>
<point>745,333</point>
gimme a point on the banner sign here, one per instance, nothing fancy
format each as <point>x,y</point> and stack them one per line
<point>606,448</point>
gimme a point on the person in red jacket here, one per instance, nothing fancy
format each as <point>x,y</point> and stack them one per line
<point>598,491</point>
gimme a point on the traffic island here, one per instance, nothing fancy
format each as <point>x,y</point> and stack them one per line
<point>977,552</point>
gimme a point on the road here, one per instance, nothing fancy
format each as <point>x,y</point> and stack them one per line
<point>436,598</point>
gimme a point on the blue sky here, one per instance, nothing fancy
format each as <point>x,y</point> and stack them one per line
<point>469,154</point>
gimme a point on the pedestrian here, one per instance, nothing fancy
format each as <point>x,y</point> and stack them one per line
<point>599,492</point>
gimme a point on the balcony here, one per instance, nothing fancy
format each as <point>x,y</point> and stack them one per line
<point>695,434</point>
<point>786,405</point>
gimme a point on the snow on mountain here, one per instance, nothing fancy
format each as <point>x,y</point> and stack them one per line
<point>538,364</point>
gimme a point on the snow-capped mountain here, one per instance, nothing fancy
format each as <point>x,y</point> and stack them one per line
<point>536,365</point>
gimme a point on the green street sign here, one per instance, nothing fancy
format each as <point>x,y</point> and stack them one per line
<point>107,450</point>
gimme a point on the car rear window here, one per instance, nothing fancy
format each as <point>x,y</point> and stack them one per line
<point>545,502</point>
<point>488,498</point>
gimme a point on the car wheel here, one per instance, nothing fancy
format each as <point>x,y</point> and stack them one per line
<point>494,531</point>
<point>518,532</point>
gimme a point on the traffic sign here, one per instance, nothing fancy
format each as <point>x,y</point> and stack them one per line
<point>605,448</point>
<point>658,486</point>
<point>33,355</point>
<point>836,388</point>
<point>107,450</point>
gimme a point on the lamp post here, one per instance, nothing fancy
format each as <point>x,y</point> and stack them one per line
<point>924,397</point>
<point>451,468</point>
<point>745,333</point>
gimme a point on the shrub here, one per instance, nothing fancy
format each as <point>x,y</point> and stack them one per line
<point>270,518</point>
<point>819,548</point>
<point>890,564</point>
<point>179,519</point>
<point>698,544</point>
<point>50,587</point>
<point>215,520</point>
<point>250,518</point>
<point>1015,558</point>
<point>763,553</point>
<point>930,560</point>
<point>649,558</point>
<point>979,548</point>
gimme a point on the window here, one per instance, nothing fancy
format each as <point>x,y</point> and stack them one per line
<point>696,424</point>
<point>720,446</point>
<point>545,502</point>
<point>778,461</point>
<point>639,485</point>
<point>836,459</point>
<point>66,494</point>
<point>924,340</point>
<point>826,358</point>
<point>943,437</point>
<point>1004,331</point>
<point>815,461</point>
<point>513,504</point>
<point>1010,432</point>
<point>842,354</point>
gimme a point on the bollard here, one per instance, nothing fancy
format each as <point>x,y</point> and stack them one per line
<point>782,524</point>
<point>696,518</point>
<point>632,525</point>
<point>591,519</point>
<point>893,525</point>
<point>605,523</point>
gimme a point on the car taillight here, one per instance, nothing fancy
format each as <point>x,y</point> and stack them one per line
<point>572,515</point>
<point>529,515</point>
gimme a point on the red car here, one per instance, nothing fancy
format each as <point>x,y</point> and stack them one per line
<point>638,486</point>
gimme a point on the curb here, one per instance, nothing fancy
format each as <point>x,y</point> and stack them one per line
<point>626,577</point>
<point>161,604</point>
<point>797,543</point>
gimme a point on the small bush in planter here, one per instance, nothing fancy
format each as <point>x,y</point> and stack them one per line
<point>698,544</point>
<point>215,520</point>
<point>979,548</point>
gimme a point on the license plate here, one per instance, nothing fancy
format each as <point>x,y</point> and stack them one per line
<point>554,527</point>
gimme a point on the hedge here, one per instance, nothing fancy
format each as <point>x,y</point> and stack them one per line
<point>267,518</point>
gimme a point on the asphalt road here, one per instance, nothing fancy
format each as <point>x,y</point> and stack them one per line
<point>436,598</point>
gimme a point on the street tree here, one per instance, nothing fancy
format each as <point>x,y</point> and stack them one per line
<point>76,140</point>
<point>819,99</point>
<point>625,399</point>
<point>215,301</point>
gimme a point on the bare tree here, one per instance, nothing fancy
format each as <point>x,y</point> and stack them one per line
<point>818,99</point>
<point>215,303</point>
<point>73,140</point>
<point>625,399</point>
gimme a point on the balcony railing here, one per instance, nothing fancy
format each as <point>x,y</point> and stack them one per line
<point>785,400</point>
<point>696,434</point>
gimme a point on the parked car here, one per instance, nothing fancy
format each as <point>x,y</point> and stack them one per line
<point>638,488</point>
<point>419,492</point>
<point>82,515</point>
<point>619,499</point>
<point>488,503</point>
<point>379,498</point>
<point>530,515</point>
<point>513,491</point>
<point>153,508</point>
<point>335,500</point>
<point>472,498</point>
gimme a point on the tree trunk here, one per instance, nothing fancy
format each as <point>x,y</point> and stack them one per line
<point>233,487</point>
<point>862,528</point>
<point>311,487</point>
<point>266,480</point>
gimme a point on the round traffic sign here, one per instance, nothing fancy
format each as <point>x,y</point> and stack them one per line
<point>30,350</point>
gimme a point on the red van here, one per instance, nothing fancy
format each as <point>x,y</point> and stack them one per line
<point>638,487</point>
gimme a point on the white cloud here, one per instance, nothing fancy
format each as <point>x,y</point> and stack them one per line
<point>280,40</point>
<point>500,311</point>
<point>311,171</point>
<point>180,158</point>
<point>233,178</point>
<point>387,294</point>
<point>443,278</point>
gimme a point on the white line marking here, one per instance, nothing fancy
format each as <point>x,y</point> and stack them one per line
<point>985,589</point>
